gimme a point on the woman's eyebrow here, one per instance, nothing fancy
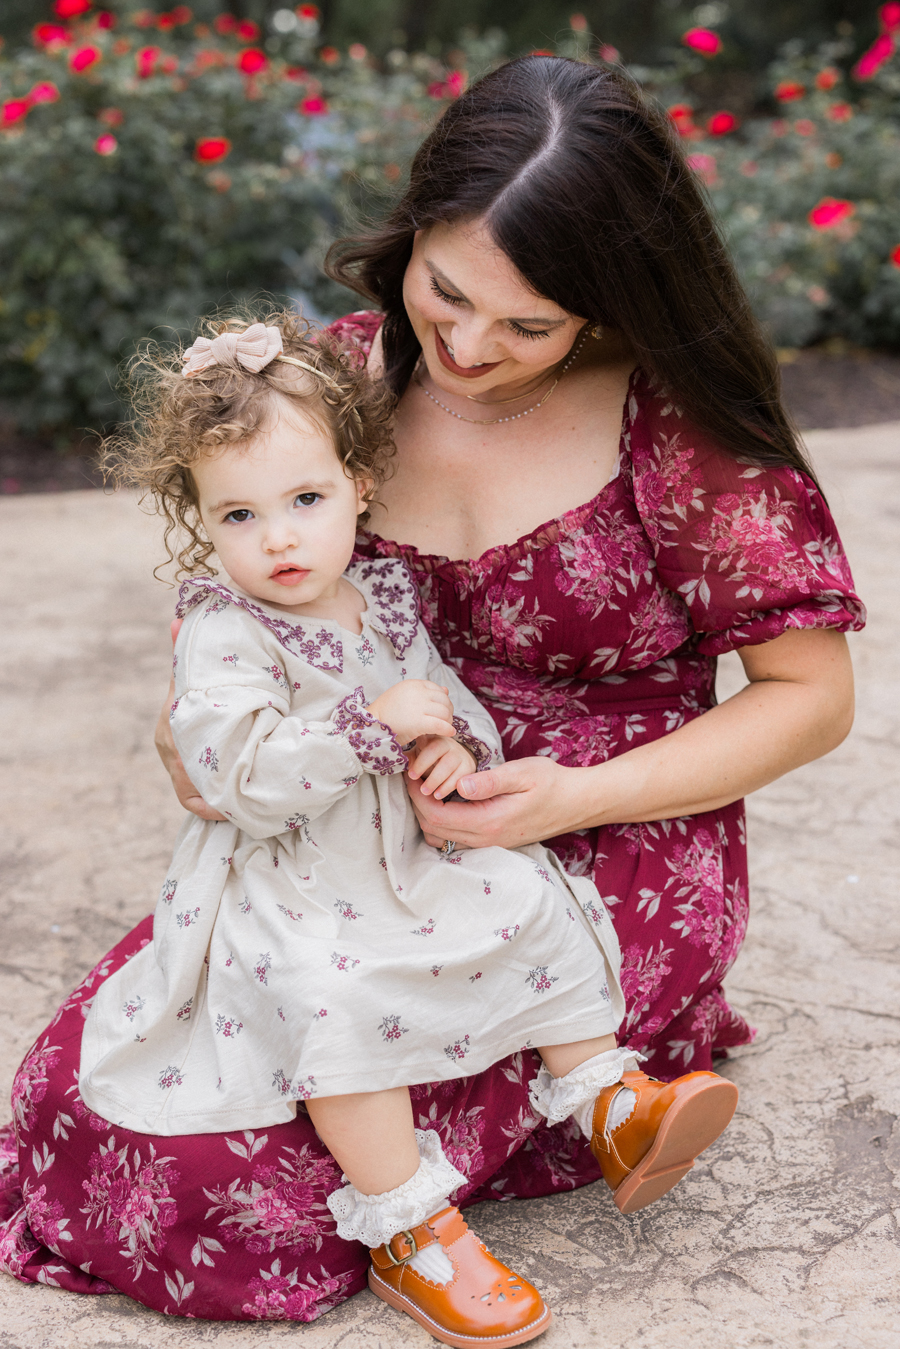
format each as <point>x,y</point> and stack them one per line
<point>445,281</point>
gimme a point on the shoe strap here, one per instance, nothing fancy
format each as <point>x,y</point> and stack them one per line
<point>402,1247</point>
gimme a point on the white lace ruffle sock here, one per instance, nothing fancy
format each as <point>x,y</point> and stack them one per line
<point>374,1218</point>
<point>556,1098</point>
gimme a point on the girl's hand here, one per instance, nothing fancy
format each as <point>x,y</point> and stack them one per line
<point>507,806</point>
<point>415,707</point>
<point>439,763</point>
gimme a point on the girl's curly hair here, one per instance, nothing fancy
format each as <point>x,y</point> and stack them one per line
<point>178,421</point>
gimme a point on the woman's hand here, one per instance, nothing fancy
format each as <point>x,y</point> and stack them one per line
<point>184,789</point>
<point>797,706</point>
<point>165,746</point>
<point>507,806</point>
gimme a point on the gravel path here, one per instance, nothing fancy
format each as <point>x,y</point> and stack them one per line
<point>785,1234</point>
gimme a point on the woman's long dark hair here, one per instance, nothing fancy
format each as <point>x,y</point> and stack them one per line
<point>585,188</point>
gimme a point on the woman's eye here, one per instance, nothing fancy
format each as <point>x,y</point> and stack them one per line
<point>443,294</point>
<point>307,498</point>
<point>527,332</point>
<point>238,517</point>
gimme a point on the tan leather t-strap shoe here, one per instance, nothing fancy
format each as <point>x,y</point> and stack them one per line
<point>670,1125</point>
<point>483,1304</point>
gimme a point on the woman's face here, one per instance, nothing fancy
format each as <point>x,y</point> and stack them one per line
<point>480,325</point>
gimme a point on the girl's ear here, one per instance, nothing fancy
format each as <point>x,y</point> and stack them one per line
<point>363,487</point>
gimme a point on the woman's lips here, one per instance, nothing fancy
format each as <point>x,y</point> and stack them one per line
<point>464,372</point>
<point>289,576</point>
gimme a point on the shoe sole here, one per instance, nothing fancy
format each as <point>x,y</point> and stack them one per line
<point>402,1304</point>
<point>694,1121</point>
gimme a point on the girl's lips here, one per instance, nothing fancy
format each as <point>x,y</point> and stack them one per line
<point>464,372</point>
<point>290,576</point>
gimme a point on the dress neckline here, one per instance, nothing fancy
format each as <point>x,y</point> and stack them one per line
<point>540,537</point>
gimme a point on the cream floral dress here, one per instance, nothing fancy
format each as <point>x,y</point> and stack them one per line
<point>313,943</point>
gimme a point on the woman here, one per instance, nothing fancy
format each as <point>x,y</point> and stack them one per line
<point>552,261</point>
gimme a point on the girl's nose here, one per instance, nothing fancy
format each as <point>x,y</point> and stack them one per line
<point>278,536</point>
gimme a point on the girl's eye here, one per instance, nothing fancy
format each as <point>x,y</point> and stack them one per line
<point>238,517</point>
<point>443,294</point>
<point>308,498</point>
<point>527,332</point>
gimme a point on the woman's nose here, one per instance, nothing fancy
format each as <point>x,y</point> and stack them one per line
<point>471,344</point>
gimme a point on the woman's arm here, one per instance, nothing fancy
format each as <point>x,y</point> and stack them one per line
<point>797,706</point>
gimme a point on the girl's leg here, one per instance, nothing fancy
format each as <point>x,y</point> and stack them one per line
<point>371,1137</point>
<point>645,1134</point>
<point>425,1261</point>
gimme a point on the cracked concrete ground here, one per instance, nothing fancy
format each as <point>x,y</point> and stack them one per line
<point>786,1232</point>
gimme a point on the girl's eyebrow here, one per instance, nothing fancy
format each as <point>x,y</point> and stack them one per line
<point>326,485</point>
<point>445,281</point>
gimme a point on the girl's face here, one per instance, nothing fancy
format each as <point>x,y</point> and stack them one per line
<point>281,513</point>
<point>480,325</point>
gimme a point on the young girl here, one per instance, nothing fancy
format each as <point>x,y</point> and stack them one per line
<point>311,946</point>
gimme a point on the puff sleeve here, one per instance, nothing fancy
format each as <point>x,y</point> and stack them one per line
<point>751,551</point>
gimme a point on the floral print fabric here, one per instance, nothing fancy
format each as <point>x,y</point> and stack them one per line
<point>596,632</point>
<point>312,943</point>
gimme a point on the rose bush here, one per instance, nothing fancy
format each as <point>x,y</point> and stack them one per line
<point>154,167</point>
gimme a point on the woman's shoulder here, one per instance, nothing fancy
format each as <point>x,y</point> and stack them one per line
<point>357,330</point>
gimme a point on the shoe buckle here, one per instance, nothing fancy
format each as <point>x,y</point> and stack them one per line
<point>413,1248</point>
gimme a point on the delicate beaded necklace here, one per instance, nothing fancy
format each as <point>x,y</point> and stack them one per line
<point>495,421</point>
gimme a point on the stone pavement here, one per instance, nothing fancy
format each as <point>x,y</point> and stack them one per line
<point>786,1232</point>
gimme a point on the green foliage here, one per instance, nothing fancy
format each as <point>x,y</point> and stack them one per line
<point>103,248</point>
<point>113,226</point>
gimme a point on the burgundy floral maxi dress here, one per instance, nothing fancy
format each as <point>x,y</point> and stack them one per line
<point>592,634</point>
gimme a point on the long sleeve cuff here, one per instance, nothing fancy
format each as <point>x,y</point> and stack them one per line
<point>373,743</point>
<point>481,753</point>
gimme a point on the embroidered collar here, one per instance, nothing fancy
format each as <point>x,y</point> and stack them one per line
<point>393,599</point>
<point>322,649</point>
<point>391,595</point>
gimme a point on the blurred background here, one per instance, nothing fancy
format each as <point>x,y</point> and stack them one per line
<point>157,163</point>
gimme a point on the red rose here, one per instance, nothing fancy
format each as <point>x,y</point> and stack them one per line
<point>330,55</point>
<point>314,106</point>
<point>247,30</point>
<point>828,78</point>
<point>308,12</point>
<point>252,61</point>
<point>721,123</point>
<point>890,17</point>
<point>144,18</point>
<point>50,35</point>
<point>869,64</point>
<point>703,40</point>
<point>145,60</point>
<point>168,65</point>
<point>106,144</point>
<point>212,149</point>
<point>14,110</point>
<point>70,9</point>
<point>105,19</point>
<point>84,58</point>
<point>455,83</point>
<point>181,14</point>
<point>46,92</point>
<point>830,212</point>
<point>295,73</point>
<point>578,23</point>
<point>788,91</point>
<point>704,165</point>
<point>839,112</point>
<point>895,256</point>
<point>225,24</point>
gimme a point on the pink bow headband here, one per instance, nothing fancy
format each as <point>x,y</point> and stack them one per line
<point>253,349</point>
